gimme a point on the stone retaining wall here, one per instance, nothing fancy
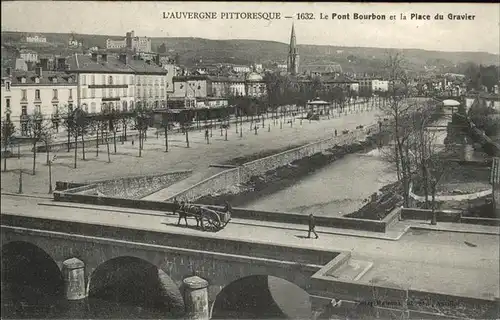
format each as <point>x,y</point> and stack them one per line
<point>129,187</point>
<point>230,178</point>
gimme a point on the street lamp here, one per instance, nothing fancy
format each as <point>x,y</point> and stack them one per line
<point>50,172</point>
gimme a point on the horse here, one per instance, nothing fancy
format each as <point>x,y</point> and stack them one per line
<point>184,211</point>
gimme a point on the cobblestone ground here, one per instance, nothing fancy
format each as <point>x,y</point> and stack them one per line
<point>154,159</point>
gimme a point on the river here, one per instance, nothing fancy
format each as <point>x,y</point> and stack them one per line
<point>341,187</point>
<point>334,190</point>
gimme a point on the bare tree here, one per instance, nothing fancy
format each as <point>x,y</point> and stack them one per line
<point>37,128</point>
<point>399,111</point>
<point>8,130</point>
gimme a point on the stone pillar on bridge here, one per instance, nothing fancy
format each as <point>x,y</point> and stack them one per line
<point>74,279</point>
<point>74,288</point>
<point>196,298</point>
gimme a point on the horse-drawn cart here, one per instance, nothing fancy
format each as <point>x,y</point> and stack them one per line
<point>207,218</point>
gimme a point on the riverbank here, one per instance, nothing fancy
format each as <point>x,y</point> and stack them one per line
<point>283,177</point>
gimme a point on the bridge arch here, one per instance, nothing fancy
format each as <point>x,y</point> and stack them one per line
<point>135,282</point>
<point>261,296</point>
<point>30,276</point>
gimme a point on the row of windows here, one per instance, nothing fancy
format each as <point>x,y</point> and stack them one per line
<point>55,94</point>
<point>110,80</point>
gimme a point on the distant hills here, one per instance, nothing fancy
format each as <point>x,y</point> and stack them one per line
<point>352,59</point>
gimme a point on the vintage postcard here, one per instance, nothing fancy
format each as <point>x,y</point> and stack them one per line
<point>250,160</point>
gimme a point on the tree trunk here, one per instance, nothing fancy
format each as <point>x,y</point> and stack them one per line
<point>69,140</point>
<point>114,139</point>
<point>97,142</point>
<point>34,157</point>
<point>140,138</point>
<point>166,138</point>
<point>107,147</point>
<point>83,147</point>
<point>187,139</point>
<point>76,147</point>
<point>47,151</point>
<point>5,156</point>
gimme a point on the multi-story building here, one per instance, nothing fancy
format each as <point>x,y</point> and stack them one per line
<point>36,39</point>
<point>137,44</point>
<point>192,86</point>
<point>255,85</point>
<point>241,69</point>
<point>108,82</point>
<point>28,55</point>
<point>43,92</point>
<point>380,85</point>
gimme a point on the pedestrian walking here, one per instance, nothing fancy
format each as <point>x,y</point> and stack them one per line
<point>335,132</point>
<point>312,226</point>
<point>206,135</point>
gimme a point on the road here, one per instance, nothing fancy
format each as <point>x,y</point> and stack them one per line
<point>449,262</point>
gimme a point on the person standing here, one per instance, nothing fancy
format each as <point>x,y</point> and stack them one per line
<point>312,226</point>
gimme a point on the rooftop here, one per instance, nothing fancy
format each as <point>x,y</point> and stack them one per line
<point>85,63</point>
<point>47,77</point>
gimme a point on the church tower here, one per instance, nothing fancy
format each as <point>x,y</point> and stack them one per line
<point>293,55</point>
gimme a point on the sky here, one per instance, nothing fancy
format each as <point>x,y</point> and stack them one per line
<point>146,19</point>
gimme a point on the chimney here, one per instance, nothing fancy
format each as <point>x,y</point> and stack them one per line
<point>44,64</point>
<point>157,60</point>
<point>94,56</point>
<point>38,71</point>
<point>104,57</point>
<point>9,71</point>
<point>123,58</point>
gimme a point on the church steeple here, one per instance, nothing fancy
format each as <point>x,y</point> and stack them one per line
<point>293,54</point>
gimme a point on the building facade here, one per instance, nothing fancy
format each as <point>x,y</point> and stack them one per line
<point>28,55</point>
<point>138,44</point>
<point>117,83</point>
<point>47,93</point>
<point>36,39</point>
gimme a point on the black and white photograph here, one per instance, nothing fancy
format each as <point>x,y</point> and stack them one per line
<point>250,160</point>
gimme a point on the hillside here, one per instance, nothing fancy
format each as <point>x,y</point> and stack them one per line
<point>354,59</point>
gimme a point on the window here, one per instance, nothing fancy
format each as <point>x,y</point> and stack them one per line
<point>131,81</point>
<point>124,79</point>
<point>124,92</point>
<point>7,85</point>
<point>55,109</point>
<point>7,105</point>
<point>84,93</point>
<point>93,107</point>
<point>38,109</point>
<point>24,110</point>
<point>54,94</point>
<point>85,107</point>
<point>92,93</point>
<point>71,93</point>
<point>83,79</point>
<point>92,79</point>
<point>23,94</point>
<point>138,79</point>
<point>110,80</point>
<point>104,93</point>
<point>37,80</point>
<point>37,94</point>
<point>110,92</point>
<point>130,91</point>
<point>103,79</point>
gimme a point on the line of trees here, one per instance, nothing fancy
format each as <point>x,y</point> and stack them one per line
<point>415,155</point>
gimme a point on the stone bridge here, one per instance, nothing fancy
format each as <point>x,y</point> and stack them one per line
<point>78,260</point>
